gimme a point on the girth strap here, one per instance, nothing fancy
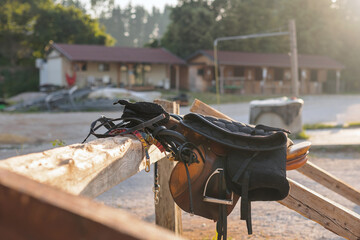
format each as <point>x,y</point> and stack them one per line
<point>243,166</point>
<point>245,206</point>
<point>221,225</point>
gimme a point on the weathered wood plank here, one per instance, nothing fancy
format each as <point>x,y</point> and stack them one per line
<point>167,213</point>
<point>88,169</point>
<point>330,215</point>
<point>327,213</point>
<point>31,210</point>
<point>330,181</point>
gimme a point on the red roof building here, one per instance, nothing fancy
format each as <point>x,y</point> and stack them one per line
<point>261,73</point>
<point>136,68</point>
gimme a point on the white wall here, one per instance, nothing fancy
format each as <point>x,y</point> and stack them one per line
<point>55,73</point>
<point>157,75</point>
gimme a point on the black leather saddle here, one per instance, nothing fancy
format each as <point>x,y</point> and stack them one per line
<point>254,161</point>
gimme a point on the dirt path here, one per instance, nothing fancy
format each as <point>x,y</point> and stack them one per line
<point>270,219</point>
<point>34,132</point>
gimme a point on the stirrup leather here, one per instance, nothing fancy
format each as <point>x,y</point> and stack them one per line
<point>216,200</point>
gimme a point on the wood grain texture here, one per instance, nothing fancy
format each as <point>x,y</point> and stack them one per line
<point>88,169</point>
<point>30,210</point>
<point>167,213</point>
<point>327,213</point>
<point>331,182</point>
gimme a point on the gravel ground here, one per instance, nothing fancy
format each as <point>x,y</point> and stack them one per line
<point>33,132</point>
<point>270,219</point>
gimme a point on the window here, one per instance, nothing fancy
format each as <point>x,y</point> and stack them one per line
<point>147,68</point>
<point>104,67</point>
<point>278,74</point>
<point>239,71</point>
<point>200,72</point>
<point>258,74</point>
<point>313,76</point>
<point>80,66</point>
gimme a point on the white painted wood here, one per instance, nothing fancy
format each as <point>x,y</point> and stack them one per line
<point>54,70</point>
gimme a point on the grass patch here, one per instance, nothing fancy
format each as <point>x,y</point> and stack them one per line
<point>330,126</point>
<point>211,98</point>
<point>301,136</point>
<point>353,125</point>
<point>320,126</point>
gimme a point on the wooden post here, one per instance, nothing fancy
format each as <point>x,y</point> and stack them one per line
<point>167,213</point>
<point>338,74</point>
<point>118,77</point>
<point>222,72</point>
<point>177,76</point>
<point>264,77</point>
<point>294,60</point>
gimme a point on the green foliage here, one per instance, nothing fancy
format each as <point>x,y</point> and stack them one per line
<point>191,28</point>
<point>27,26</point>
<point>301,135</point>
<point>353,125</point>
<point>320,126</point>
<point>21,80</point>
<point>66,25</point>
<point>58,143</point>
<point>134,26</point>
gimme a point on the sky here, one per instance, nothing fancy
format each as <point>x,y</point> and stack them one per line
<point>148,4</point>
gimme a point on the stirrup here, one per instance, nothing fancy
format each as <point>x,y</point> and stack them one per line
<point>216,200</point>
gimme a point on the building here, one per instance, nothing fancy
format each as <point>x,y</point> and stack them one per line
<point>260,73</point>
<point>88,65</point>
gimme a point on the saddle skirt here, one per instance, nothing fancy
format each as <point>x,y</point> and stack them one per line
<point>259,150</point>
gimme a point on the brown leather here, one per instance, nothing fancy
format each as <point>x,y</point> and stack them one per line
<point>296,150</point>
<point>199,173</point>
<point>297,155</point>
<point>296,163</point>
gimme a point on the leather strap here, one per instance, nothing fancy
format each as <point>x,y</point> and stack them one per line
<point>244,165</point>
<point>245,206</point>
<point>221,225</point>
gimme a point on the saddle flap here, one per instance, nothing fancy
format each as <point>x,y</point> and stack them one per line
<point>235,134</point>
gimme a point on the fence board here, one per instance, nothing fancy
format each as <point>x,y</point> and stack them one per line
<point>31,210</point>
<point>87,169</point>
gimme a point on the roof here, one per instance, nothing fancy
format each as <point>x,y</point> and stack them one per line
<point>98,53</point>
<point>269,59</point>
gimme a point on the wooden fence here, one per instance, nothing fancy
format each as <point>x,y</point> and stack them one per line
<point>46,195</point>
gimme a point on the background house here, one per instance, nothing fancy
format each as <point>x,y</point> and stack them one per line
<point>86,65</point>
<point>257,73</point>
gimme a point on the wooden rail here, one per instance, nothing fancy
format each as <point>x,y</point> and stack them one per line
<point>330,215</point>
<point>31,210</point>
<point>84,169</point>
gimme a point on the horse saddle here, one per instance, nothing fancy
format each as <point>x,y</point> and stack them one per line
<point>219,161</point>
<point>240,160</point>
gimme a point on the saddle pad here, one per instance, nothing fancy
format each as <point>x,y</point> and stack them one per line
<point>235,134</point>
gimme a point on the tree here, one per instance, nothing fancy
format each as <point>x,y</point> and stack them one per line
<point>191,28</point>
<point>66,25</point>
<point>27,26</point>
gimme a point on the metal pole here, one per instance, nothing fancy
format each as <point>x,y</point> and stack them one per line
<point>294,60</point>
<point>241,37</point>
<point>216,73</point>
